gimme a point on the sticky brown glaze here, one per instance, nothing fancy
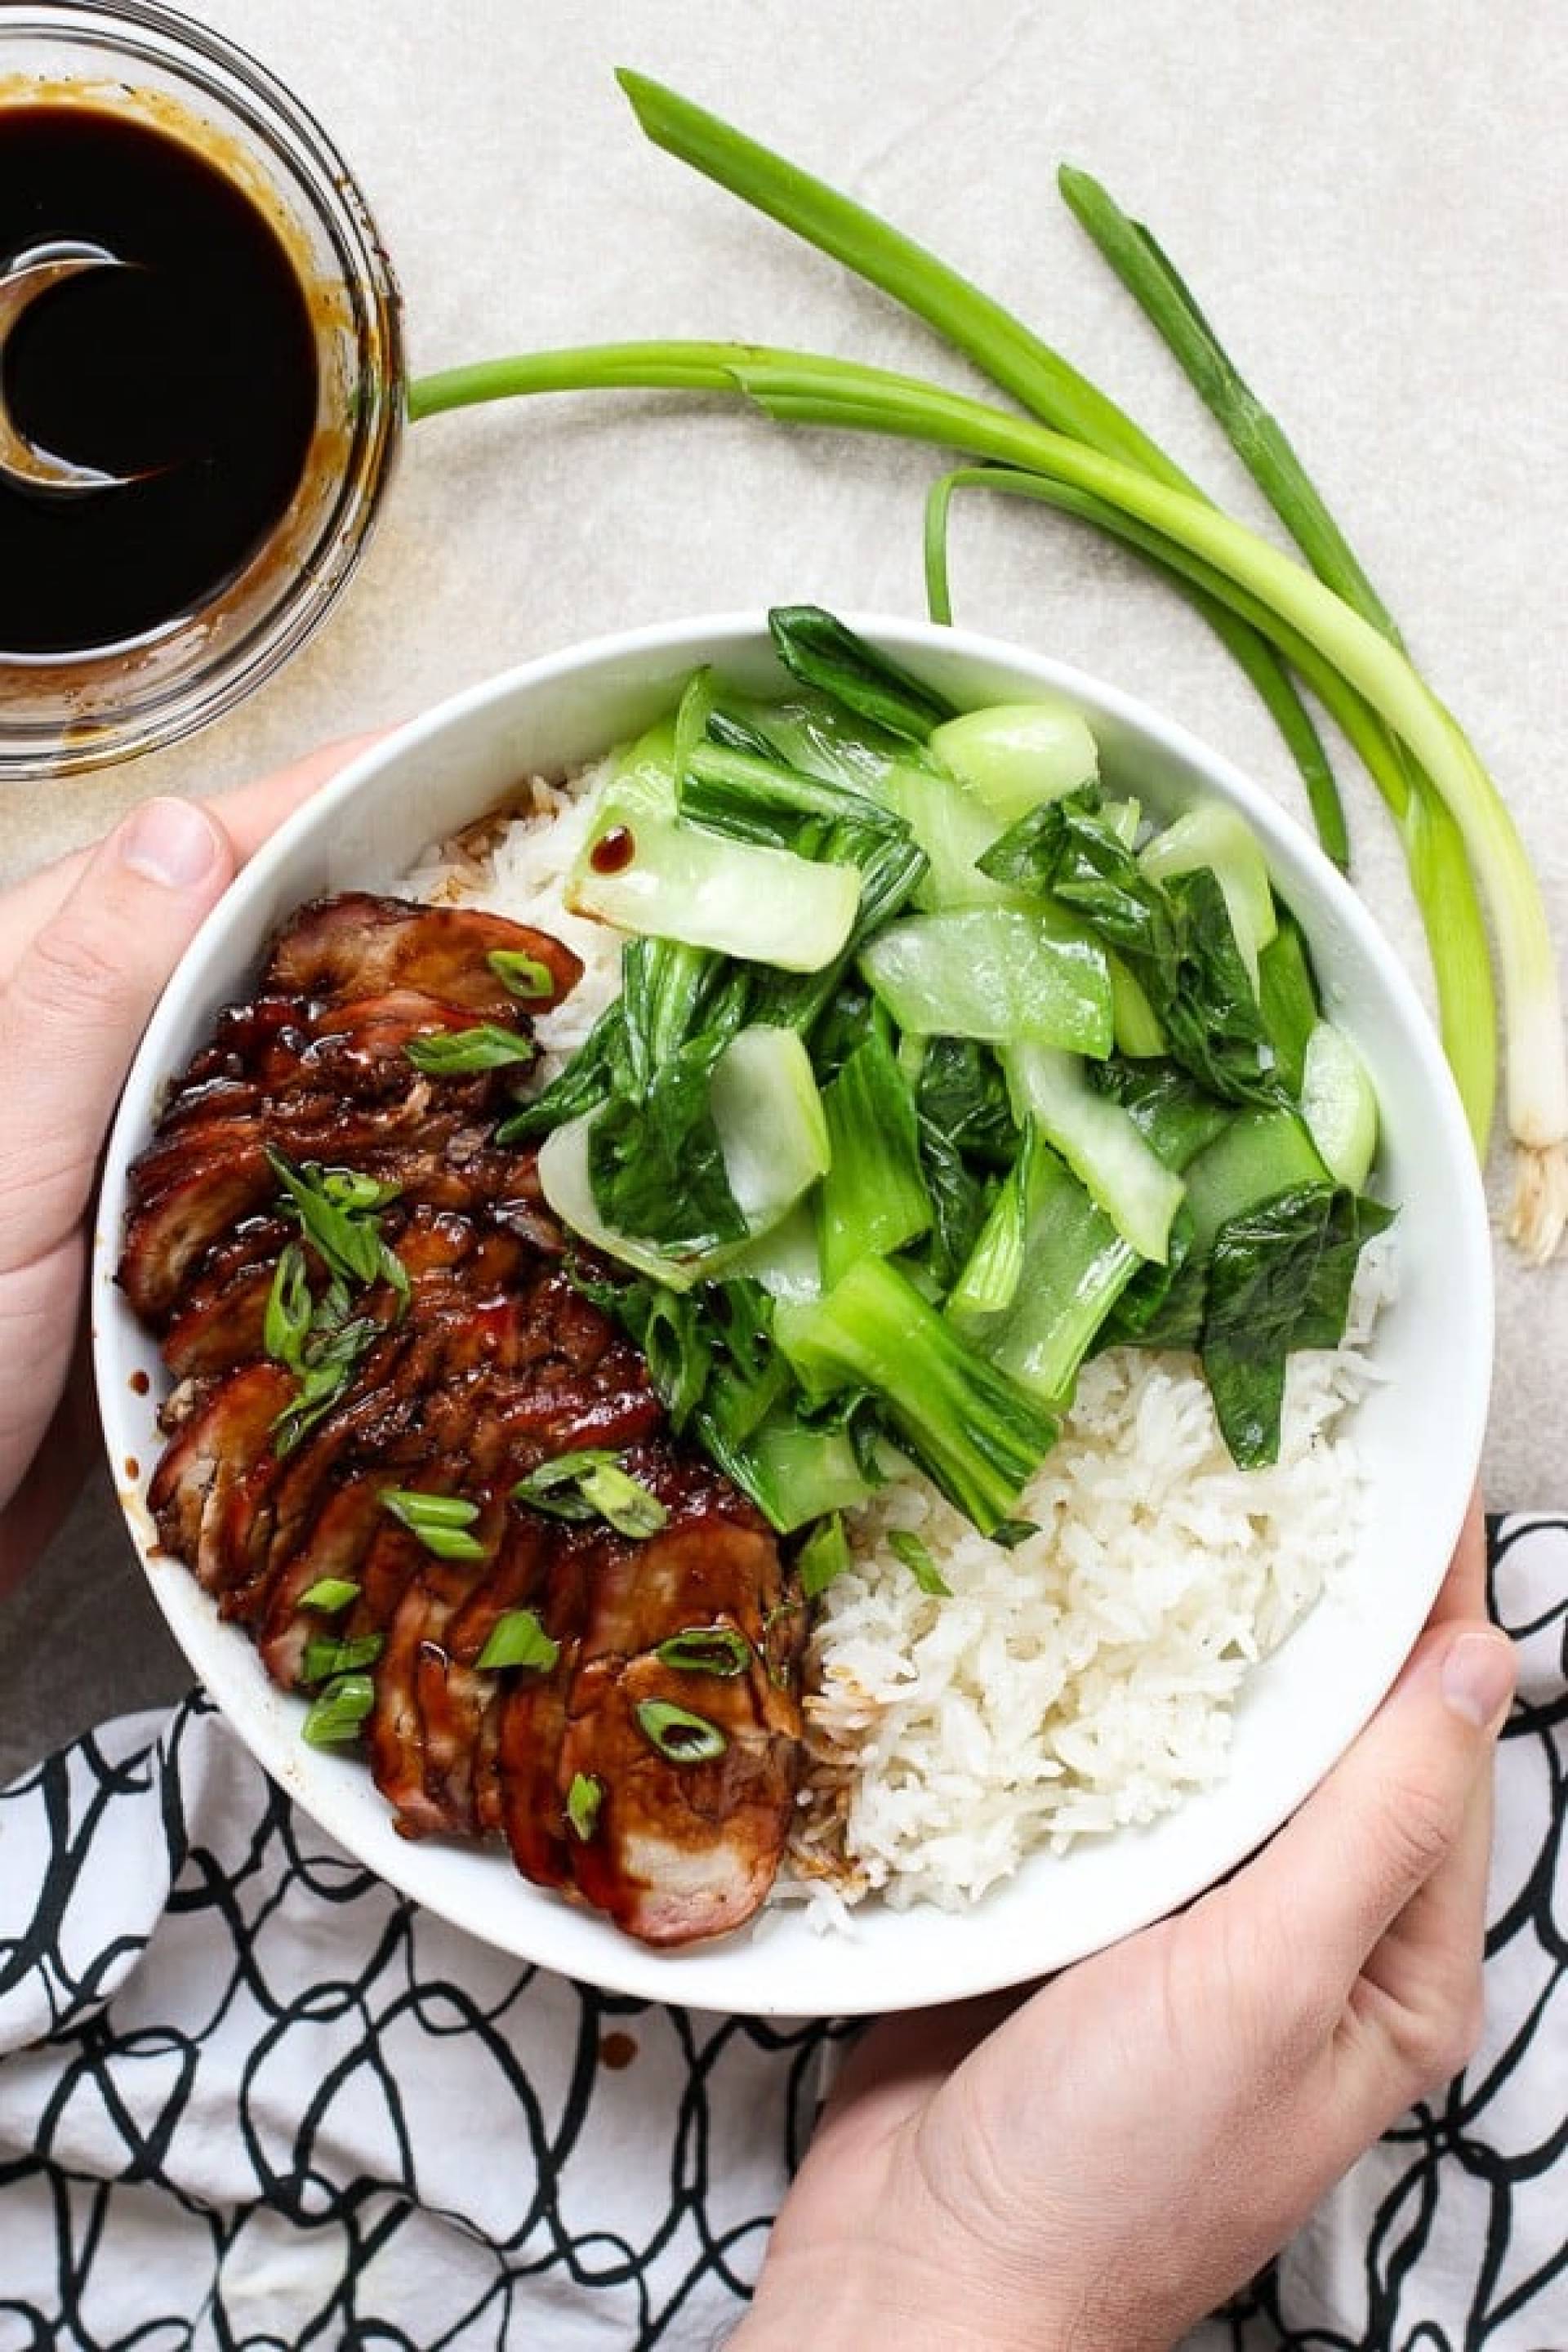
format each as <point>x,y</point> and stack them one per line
<point>354,945</point>
<point>494,1363</point>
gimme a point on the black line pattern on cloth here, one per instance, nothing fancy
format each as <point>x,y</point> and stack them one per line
<point>1480,2172</point>
<point>395,2105</point>
<point>669,2255</point>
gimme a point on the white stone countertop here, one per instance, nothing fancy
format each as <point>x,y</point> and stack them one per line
<point>1368,200</point>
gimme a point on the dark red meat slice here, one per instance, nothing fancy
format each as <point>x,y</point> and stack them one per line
<point>340,1536</point>
<point>355,945</point>
<point>682,1848</point>
<point>491,1363</point>
<point>214,1451</point>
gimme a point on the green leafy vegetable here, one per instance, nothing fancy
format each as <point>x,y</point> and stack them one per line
<point>581,1087</point>
<point>973,1428</point>
<point>1100,1142</point>
<point>994,972</point>
<point>873,1198</point>
<point>674,880</point>
<point>1017,754</point>
<point>823,653</point>
<point>1280,1279</point>
<point>907,1547</point>
<point>762,799</point>
<point>1289,1003</point>
<point>824,1555</point>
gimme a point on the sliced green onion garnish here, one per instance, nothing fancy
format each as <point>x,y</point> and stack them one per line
<point>679,1735</point>
<point>454,1053</point>
<point>630,1508</point>
<point>1088,454</point>
<point>337,1713</point>
<point>329,1594</point>
<point>337,1208</point>
<point>582,1802</point>
<point>438,1520</point>
<point>1011,1533</point>
<point>552,1487</point>
<point>707,1650</point>
<point>917,1558</point>
<point>518,1639</point>
<point>521,975</point>
<point>290,1306</point>
<point>592,1484</point>
<point>824,1555</point>
<point>350,1188</point>
<point>325,1657</point>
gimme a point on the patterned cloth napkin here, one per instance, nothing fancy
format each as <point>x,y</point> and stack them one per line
<point>250,2097</point>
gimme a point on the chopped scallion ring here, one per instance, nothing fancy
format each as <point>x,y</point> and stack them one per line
<point>456,1053</point>
<point>707,1650</point>
<point>521,975</point>
<point>680,1736</point>
<point>330,1594</point>
<point>325,1656</point>
<point>582,1802</point>
<point>338,1712</point>
<point>518,1639</point>
<point>440,1522</point>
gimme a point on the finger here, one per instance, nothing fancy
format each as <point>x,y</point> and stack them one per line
<point>76,1002</point>
<point>1415,2012</point>
<point>252,812</point>
<point>250,816</point>
<point>1385,1819</point>
<point>1464,1589</point>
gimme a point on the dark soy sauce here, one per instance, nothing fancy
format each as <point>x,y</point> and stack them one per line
<point>195,370</point>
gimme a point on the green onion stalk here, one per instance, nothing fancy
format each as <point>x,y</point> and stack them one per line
<point>1077,450</point>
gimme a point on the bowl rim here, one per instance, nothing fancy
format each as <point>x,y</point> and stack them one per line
<point>718,1976</point>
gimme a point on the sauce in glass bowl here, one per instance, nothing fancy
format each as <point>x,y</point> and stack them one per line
<point>176,377</point>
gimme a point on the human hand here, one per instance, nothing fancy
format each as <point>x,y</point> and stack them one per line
<point>1098,2168</point>
<point>85,947</point>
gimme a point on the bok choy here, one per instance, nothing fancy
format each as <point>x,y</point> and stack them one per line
<point>1317,626</point>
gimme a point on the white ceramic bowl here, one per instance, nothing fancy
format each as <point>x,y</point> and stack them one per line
<point>1421,1432</point>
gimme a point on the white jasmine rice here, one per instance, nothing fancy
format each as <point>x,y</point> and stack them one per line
<point>1081,1683</point>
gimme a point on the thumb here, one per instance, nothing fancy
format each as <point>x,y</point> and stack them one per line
<point>1393,1809</point>
<point>76,1000</point>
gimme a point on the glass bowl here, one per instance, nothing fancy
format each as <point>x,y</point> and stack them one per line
<point>60,713</point>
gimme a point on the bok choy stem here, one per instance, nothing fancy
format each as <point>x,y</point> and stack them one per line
<point>1243,642</point>
<point>1423,765</point>
<point>807,388</point>
<point>1444,888</point>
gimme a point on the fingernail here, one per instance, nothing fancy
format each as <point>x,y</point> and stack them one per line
<point>1478,1677</point>
<point>172,842</point>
